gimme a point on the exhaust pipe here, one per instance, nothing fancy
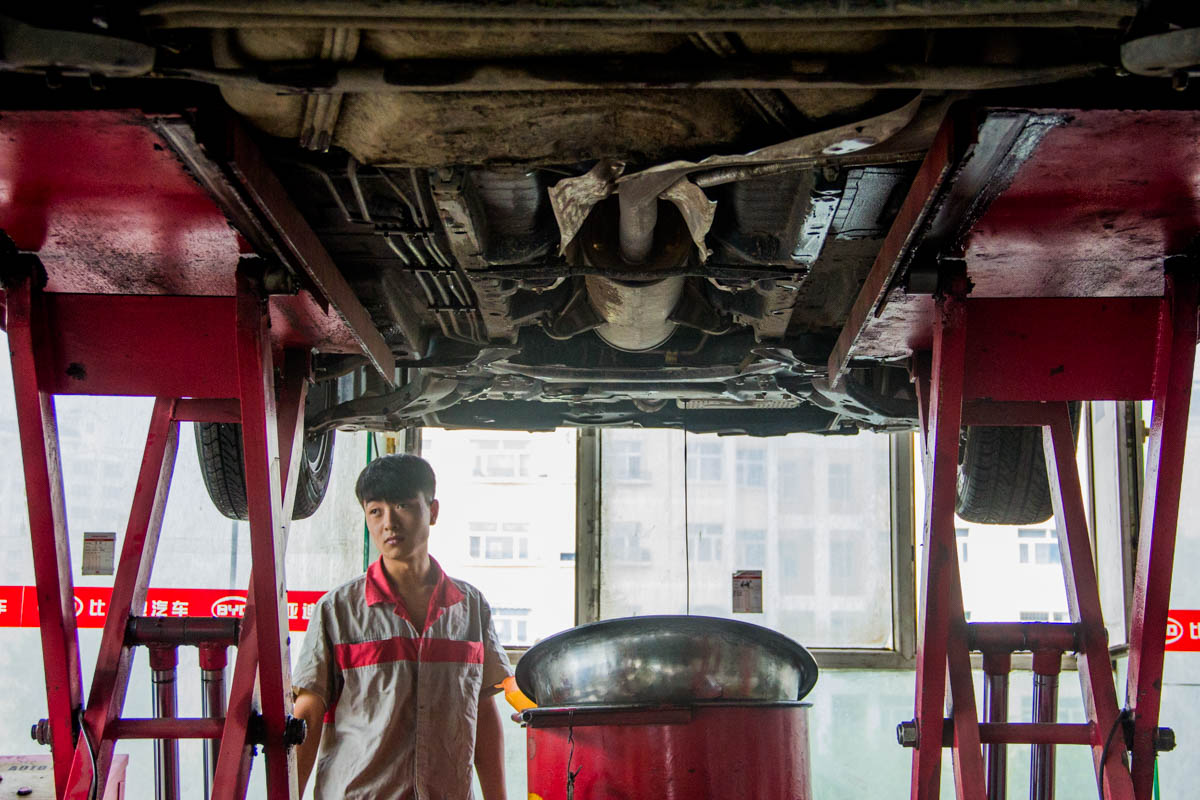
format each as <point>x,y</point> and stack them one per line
<point>635,312</point>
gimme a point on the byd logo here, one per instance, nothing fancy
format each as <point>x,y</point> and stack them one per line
<point>1174,631</point>
<point>231,605</point>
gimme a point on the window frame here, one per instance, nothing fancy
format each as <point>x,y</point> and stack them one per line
<point>902,653</point>
<point>903,474</point>
<point>490,452</point>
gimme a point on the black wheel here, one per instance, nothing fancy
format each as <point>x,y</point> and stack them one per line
<point>1002,475</point>
<point>219,448</point>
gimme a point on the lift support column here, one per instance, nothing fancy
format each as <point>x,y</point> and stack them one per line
<point>1042,258</point>
<point>180,301</point>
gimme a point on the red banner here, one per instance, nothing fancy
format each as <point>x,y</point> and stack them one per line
<point>18,605</point>
<point>1183,630</point>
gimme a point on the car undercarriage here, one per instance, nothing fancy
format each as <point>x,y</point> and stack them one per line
<point>596,213</point>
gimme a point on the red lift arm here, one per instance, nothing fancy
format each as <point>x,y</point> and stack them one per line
<point>163,302</point>
<point>1041,257</point>
<point>982,272</point>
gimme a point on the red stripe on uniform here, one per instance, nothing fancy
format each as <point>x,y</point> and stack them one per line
<point>403,648</point>
<point>364,654</point>
<point>452,651</point>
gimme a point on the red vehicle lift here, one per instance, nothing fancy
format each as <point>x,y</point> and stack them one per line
<point>164,301</point>
<point>1036,281</point>
<point>1018,292</point>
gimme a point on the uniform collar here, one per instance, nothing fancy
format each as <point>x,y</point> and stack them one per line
<point>377,589</point>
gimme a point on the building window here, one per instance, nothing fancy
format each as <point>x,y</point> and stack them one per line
<point>626,542</point>
<point>841,487</point>
<point>704,461</point>
<point>795,481</point>
<point>705,542</point>
<point>1032,551</point>
<point>501,458</point>
<point>495,542</point>
<point>846,620</point>
<point>791,548</point>
<point>845,563</point>
<point>512,625</point>
<point>751,545</point>
<point>751,467</point>
<point>961,534</point>
<point>795,567</point>
<point>624,458</point>
<point>799,623</point>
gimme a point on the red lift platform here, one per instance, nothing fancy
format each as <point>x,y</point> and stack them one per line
<point>143,259</point>
<point>1041,257</point>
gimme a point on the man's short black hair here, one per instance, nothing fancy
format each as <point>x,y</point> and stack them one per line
<point>394,479</point>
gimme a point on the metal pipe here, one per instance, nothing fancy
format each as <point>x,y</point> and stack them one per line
<point>430,242</point>
<point>328,181</point>
<point>181,630</point>
<point>553,373</point>
<point>412,248</point>
<point>172,16</point>
<point>1046,666</point>
<point>420,276</point>
<point>213,660</point>
<point>173,728</point>
<point>164,661</point>
<point>1012,636</point>
<point>391,184</point>
<point>458,290</point>
<point>1035,733</point>
<point>442,77</point>
<point>400,254</point>
<point>356,187</point>
<point>996,666</point>
<point>636,228</point>
<point>636,315</point>
<point>423,221</point>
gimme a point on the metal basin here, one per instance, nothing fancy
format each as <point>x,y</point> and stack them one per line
<point>665,659</point>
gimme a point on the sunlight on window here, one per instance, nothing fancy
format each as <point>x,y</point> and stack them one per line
<point>507,524</point>
<point>811,512</point>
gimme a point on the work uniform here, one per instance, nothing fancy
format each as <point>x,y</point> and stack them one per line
<point>401,704</point>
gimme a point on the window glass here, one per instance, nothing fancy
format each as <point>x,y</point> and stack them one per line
<point>751,466</point>
<point>704,462</point>
<point>625,459</point>
<point>507,519</point>
<point>845,562</point>
<point>995,558</point>
<point>501,458</point>
<point>749,504</point>
<point>706,542</point>
<point>1106,426</point>
<point>796,557</point>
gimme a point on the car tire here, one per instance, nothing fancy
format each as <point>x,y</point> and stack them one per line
<point>219,448</point>
<point>1002,475</point>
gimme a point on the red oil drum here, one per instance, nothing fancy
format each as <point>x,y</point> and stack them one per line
<point>722,751</point>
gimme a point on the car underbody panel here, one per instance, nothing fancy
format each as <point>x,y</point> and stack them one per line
<point>524,215</point>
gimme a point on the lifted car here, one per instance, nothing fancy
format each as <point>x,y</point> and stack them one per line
<point>596,213</point>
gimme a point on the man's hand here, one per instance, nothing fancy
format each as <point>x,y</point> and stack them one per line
<point>489,749</point>
<point>310,708</point>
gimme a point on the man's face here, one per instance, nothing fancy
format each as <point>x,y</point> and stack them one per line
<point>400,530</point>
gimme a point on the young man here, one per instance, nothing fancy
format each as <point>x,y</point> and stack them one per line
<point>396,676</point>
